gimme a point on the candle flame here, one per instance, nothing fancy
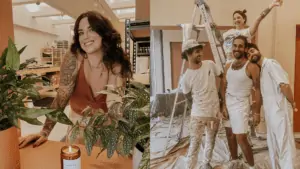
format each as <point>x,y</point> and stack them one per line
<point>70,149</point>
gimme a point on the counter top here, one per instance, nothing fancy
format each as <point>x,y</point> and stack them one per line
<point>38,71</point>
<point>47,156</point>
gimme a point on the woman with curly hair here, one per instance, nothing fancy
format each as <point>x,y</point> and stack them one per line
<point>96,60</point>
<point>240,24</point>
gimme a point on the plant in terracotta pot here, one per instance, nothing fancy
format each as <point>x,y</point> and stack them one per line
<point>13,92</point>
<point>125,125</point>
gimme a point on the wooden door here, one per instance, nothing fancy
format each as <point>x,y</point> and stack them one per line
<point>297,80</point>
<point>176,60</point>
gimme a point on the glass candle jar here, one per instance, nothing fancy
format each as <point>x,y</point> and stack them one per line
<point>70,157</point>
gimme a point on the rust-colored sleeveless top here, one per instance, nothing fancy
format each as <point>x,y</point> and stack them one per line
<point>82,95</point>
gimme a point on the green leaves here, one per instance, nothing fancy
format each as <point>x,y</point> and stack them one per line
<point>126,123</point>
<point>75,131</point>
<point>112,143</point>
<point>34,113</point>
<point>22,50</point>
<point>127,144</point>
<point>13,56</point>
<point>145,162</point>
<point>33,121</point>
<point>13,91</point>
<point>89,139</point>
<point>59,116</point>
<point>3,57</point>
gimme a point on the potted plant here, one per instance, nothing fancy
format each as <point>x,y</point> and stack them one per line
<point>125,125</point>
<point>13,92</point>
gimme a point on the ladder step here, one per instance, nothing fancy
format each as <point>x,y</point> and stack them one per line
<point>199,26</point>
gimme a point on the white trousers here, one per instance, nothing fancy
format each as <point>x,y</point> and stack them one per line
<point>280,138</point>
<point>197,128</point>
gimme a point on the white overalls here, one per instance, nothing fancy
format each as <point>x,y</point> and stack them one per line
<point>278,115</point>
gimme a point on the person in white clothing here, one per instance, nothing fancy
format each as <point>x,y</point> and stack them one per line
<point>240,20</point>
<point>278,104</point>
<point>240,77</point>
<point>200,88</point>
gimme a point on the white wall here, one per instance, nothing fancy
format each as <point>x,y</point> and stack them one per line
<point>22,17</point>
<point>36,33</point>
<point>35,40</point>
<point>64,33</point>
<point>287,18</point>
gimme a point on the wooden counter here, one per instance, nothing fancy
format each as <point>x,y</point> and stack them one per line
<point>39,71</point>
<point>47,156</point>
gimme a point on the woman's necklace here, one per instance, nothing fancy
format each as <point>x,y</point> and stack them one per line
<point>99,65</point>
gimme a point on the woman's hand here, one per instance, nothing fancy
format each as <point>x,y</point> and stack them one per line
<point>35,139</point>
<point>275,3</point>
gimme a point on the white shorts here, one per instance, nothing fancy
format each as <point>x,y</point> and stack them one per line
<point>238,110</point>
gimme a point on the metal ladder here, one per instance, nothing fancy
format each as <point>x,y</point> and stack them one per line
<point>215,40</point>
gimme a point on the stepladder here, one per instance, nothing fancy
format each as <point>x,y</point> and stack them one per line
<point>205,23</point>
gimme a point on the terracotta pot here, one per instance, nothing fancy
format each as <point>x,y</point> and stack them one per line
<point>9,146</point>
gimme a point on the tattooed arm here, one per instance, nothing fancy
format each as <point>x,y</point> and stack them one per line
<point>66,86</point>
<point>255,26</point>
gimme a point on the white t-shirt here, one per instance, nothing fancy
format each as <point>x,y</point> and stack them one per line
<point>202,84</point>
<point>228,39</point>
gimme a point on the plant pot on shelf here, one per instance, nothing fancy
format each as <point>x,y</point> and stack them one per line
<point>9,146</point>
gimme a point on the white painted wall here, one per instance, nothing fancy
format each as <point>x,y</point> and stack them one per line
<point>22,17</point>
<point>288,16</point>
<point>35,40</point>
<point>36,33</point>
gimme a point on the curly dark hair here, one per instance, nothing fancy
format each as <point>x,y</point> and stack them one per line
<point>113,53</point>
<point>252,45</point>
<point>242,13</point>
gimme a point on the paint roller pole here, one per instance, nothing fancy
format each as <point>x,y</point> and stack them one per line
<point>174,106</point>
<point>182,123</point>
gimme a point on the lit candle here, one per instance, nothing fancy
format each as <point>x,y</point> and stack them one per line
<point>70,157</point>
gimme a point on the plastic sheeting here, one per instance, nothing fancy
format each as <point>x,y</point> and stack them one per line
<point>176,150</point>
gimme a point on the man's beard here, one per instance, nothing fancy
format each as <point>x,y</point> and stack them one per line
<point>238,54</point>
<point>255,58</point>
<point>197,59</point>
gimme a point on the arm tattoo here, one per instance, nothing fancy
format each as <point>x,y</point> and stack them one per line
<point>265,12</point>
<point>66,86</point>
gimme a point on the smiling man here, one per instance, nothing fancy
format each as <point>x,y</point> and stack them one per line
<point>200,89</point>
<point>278,105</point>
<point>241,77</point>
